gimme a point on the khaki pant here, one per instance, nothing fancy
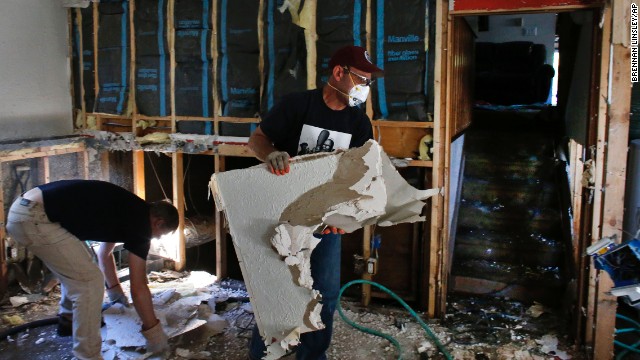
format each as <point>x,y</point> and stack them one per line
<point>66,256</point>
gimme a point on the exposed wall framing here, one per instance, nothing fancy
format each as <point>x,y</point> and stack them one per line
<point>399,138</point>
<point>613,135</point>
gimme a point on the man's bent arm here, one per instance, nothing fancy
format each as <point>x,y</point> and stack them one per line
<point>140,291</point>
<point>260,144</point>
<point>108,264</point>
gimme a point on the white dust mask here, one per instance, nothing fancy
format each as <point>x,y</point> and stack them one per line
<point>358,95</point>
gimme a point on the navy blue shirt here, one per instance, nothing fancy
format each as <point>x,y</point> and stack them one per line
<point>99,211</point>
<point>302,123</point>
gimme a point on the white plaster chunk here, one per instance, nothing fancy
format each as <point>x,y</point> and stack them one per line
<point>295,244</point>
<point>272,219</point>
<point>279,348</point>
<point>179,317</point>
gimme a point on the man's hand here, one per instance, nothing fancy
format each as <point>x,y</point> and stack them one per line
<point>332,229</point>
<point>278,162</point>
<point>157,340</point>
<point>116,295</point>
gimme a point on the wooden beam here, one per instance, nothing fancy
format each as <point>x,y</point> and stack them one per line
<point>72,88</point>
<point>368,45</point>
<point>400,142</point>
<point>133,109</point>
<point>599,157</point>
<point>310,34</point>
<point>221,236</point>
<point>576,168</point>
<point>96,27</point>
<point>234,150</point>
<point>585,275</point>
<point>614,171</point>
<point>366,254</point>
<point>138,174</point>
<point>84,157</point>
<point>238,120</point>
<point>178,200</point>
<point>403,124</point>
<point>435,305</point>
<point>261,45</point>
<point>83,103</point>
<point>171,33</point>
<point>37,152</point>
<point>217,109</point>
<point>46,170</point>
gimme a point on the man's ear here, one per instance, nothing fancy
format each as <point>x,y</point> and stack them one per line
<point>338,72</point>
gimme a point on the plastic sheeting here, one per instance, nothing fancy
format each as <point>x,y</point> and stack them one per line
<point>75,61</point>
<point>238,62</point>
<point>285,55</point>
<point>153,81</point>
<point>88,61</point>
<point>398,31</point>
<point>338,23</point>
<point>113,57</point>
<point>193,74</point>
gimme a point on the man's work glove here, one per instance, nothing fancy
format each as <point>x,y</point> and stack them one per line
<point>116,295</point>
<point>278,162</point>
<point>157,340</point>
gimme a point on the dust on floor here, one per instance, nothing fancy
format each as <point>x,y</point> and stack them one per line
<point>474,328</point>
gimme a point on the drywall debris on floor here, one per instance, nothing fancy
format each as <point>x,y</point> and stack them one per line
<point>348,190</point>
<point>474,328</point>
<point>176,298</point>
<point>21,300</point>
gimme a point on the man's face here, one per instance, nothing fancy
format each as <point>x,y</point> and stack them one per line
<point>158,228</point>
<point>356,77</point>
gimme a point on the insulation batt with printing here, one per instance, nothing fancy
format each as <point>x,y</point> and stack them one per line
<point>272,218</point>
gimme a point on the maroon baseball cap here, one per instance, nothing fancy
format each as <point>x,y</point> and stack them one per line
<point>354,56</point>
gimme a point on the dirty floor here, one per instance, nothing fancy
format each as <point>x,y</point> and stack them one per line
<point>474,328</point>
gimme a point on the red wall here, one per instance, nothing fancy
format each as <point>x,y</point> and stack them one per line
<point>472,5</point>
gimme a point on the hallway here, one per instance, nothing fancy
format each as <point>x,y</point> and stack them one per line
<point>509,236</point>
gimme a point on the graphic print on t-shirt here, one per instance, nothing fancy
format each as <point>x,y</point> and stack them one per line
<point>314,139</point>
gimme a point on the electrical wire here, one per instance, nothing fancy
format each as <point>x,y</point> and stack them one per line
<point>383,335</point>
<point>157,177</point>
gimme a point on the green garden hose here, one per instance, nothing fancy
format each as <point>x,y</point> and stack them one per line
<point>627,348</point>
<point>383,335</point>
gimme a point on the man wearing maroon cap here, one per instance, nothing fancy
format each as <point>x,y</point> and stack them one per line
<point>313,121</point>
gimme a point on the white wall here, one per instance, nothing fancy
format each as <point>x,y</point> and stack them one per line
<point>35,99</point>
<point>456,173</point>
<point>503,28</point>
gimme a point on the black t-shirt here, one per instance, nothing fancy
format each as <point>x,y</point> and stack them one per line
<point>99,211</point>
<point>303,124</point>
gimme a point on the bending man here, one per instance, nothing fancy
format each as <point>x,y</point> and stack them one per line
<point>54,219</point>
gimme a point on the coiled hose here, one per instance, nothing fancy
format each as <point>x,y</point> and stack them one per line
<point>627,348</point>
<point>387,336</point>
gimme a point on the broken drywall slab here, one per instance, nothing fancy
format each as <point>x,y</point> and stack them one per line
<point>178,317</point>
<point>265,212</point>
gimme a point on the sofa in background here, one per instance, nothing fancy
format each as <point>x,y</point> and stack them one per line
<point>512,73</point>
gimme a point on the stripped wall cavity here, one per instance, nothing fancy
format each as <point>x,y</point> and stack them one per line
<point>272,220</point>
